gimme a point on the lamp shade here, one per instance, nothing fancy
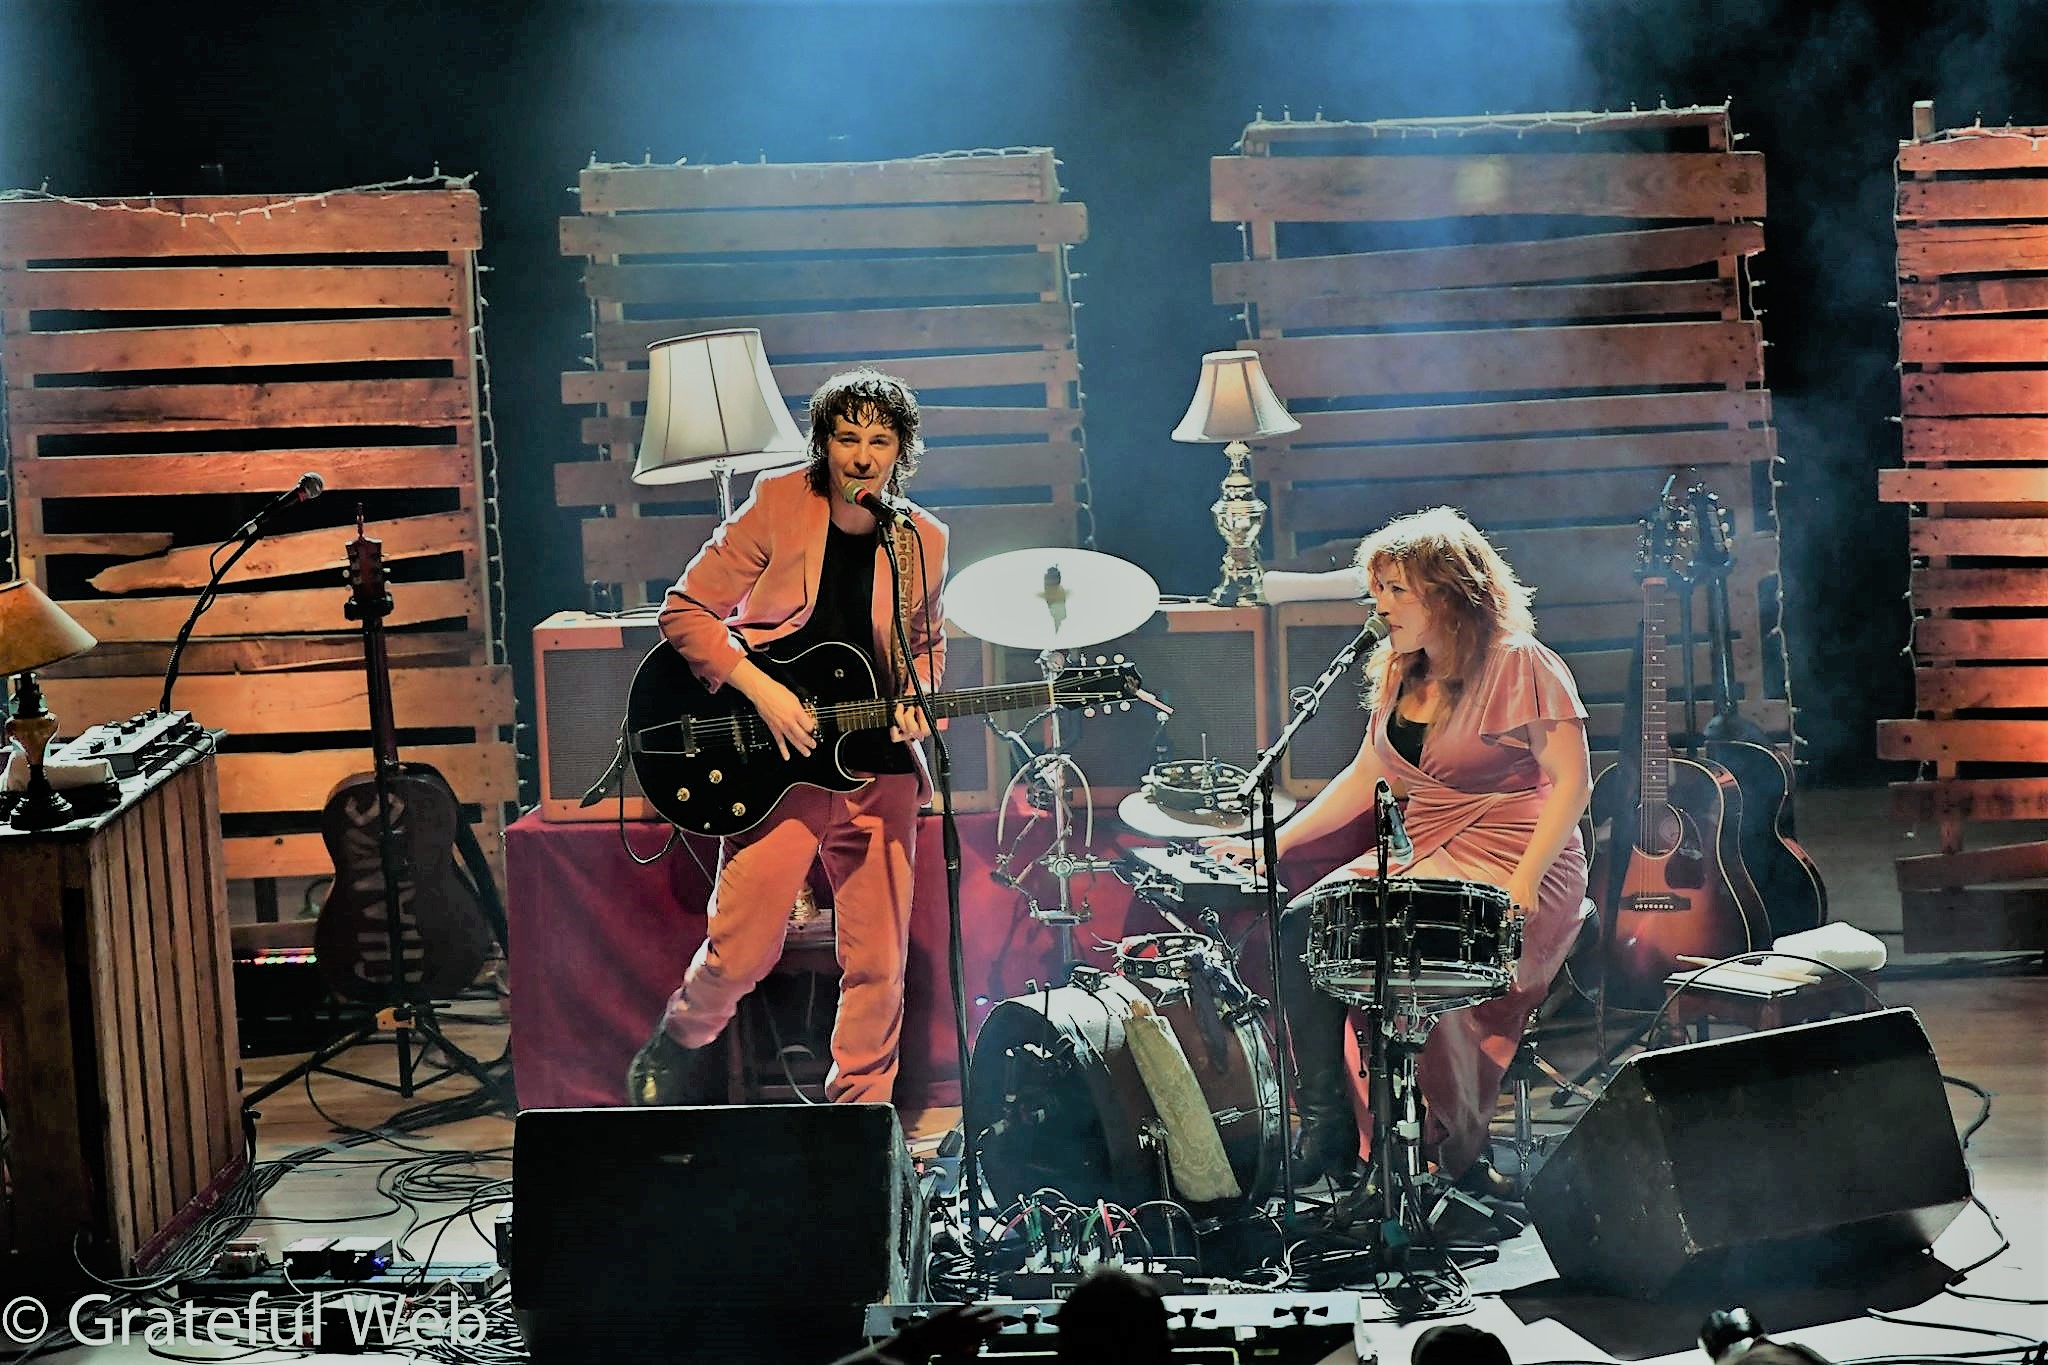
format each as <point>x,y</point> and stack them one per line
<point>711,400</point>
<point>34,631</point>
<point>1233,402</point>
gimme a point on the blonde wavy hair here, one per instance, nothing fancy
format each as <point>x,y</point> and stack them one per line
<point>1468,588</point>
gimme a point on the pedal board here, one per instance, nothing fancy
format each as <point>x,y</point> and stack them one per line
<point>1277,1328</point>
<point>131,745</point>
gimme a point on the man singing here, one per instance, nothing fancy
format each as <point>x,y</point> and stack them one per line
<point>800,563</point>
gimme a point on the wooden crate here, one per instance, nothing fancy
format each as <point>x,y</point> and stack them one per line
<point>119,1043</point>
<point>1534,318</point>
<point>1972,222</point>
<point>170,364</point>
<point>949,271</point>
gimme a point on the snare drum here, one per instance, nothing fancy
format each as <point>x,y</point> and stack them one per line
<point>1450,943</point>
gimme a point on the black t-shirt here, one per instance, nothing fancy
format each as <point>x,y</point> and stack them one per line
<point>1406,735</point>
<point>846,590</point>
<point>844,613</point>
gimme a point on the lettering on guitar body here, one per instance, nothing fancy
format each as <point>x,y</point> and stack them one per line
<point>373,937</point>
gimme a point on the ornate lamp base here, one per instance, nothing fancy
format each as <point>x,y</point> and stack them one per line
<point>1239,514</point>
<point>33,727</point>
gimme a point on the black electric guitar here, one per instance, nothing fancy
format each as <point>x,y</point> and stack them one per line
<point>1786,878</point>
<point>706,761</point>
<point>1669,878</point>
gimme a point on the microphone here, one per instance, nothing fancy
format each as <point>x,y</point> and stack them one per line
<point>1376,627</point>
<point>881,506</point>
<point>1388,812</point>
<point>309,487</point>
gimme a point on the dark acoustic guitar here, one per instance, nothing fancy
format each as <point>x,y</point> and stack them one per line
<point>1669,877</point>
<point>706,761</point>
<point>393,833</point>
<point>1793,894</point>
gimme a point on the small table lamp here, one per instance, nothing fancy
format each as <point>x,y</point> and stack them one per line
<point>35,633</point>
<point>1234,403</point>
<point>713,411</point>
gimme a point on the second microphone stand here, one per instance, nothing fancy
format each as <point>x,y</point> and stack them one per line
<point>1260,780</point>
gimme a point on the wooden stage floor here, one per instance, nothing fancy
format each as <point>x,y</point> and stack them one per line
<point>1989,1025</point>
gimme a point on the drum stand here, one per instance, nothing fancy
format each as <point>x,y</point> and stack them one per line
<point>1047,771</point>
<point>1400,1235</point>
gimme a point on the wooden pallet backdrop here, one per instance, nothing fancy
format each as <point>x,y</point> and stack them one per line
<point>1973,278</point>
<point>1534,318</point>
<point>949,271</point>
<point>172,363</point>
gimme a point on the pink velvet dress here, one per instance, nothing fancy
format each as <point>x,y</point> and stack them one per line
<point>1470,809</point>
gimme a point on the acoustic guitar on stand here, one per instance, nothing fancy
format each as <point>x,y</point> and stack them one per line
<point>1793,894</point>
<point>394,833</point>
<point>1669,878</point>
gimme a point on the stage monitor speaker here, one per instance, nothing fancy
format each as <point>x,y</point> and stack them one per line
<point>1310,634</point>
<point>583,667</point>
<point>731,1234</point>
<point>1207,662</point>
<point>1788,1154</point>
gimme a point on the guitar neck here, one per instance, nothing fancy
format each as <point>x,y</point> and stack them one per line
<point>880,713</point>
<point>1656,730</point>
<point>377,670</point>
<point>1720,633</point>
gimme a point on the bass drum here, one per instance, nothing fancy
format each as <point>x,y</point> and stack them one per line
<point>1057,1099</point>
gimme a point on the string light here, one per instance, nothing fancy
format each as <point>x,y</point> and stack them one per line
<point>487,451</point>
<point>1518,124</point>
<point>43,196</point>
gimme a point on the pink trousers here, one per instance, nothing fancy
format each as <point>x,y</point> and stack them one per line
<point>866,840</point>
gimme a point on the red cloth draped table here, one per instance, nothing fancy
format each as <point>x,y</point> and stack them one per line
<point>598,944</point>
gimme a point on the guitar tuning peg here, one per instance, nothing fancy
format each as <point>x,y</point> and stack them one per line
<point>1099,659</point>
<point>1087,710</point>
<point>1123,706</point>
<point>1120,659</point>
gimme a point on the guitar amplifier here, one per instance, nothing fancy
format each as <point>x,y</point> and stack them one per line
<point>1207,662</point>
<point>583,668</point>
<point>1311,633</point>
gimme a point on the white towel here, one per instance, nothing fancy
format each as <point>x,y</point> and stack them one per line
<point>1194,1149</point>
<point>1838,944</point>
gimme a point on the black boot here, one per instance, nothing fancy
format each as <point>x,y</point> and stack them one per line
<point>1328,1146</point>
<point>664,1072</point>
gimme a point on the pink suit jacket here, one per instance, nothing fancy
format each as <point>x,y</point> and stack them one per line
<point>756,580</point>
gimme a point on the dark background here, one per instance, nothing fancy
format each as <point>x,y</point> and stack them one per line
<point>104,99</point>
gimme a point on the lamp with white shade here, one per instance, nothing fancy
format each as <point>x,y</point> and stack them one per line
<point>1233,403</point>
<point>713,411</point>
<point>35,633</point>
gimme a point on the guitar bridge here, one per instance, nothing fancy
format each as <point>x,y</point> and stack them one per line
<point>689,738</point>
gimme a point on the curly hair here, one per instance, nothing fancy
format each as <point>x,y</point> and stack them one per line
<point>1469,590</point>
<point>864,395</point>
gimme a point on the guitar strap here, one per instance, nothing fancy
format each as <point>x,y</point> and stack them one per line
<point>905,536</point>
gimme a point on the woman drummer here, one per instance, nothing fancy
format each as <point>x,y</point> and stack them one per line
<point>1479,731</point>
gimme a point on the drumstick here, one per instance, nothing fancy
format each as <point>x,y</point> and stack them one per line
<point>1752,968</point>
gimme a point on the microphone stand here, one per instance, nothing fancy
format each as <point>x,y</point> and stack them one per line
<point>1260,779</point>
<point>1384,815</point>
<point>956,966</point>
<point>249,532</point>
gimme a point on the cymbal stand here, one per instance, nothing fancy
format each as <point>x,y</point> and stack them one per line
<point>1048,772</point>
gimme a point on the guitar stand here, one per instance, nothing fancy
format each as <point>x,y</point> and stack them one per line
<point>405,1020</point>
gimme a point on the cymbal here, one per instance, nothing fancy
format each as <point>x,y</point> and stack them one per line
<point>1050,599</point>
<point>1147,817</point>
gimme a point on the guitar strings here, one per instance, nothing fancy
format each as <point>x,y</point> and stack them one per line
<point>746,732</point>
